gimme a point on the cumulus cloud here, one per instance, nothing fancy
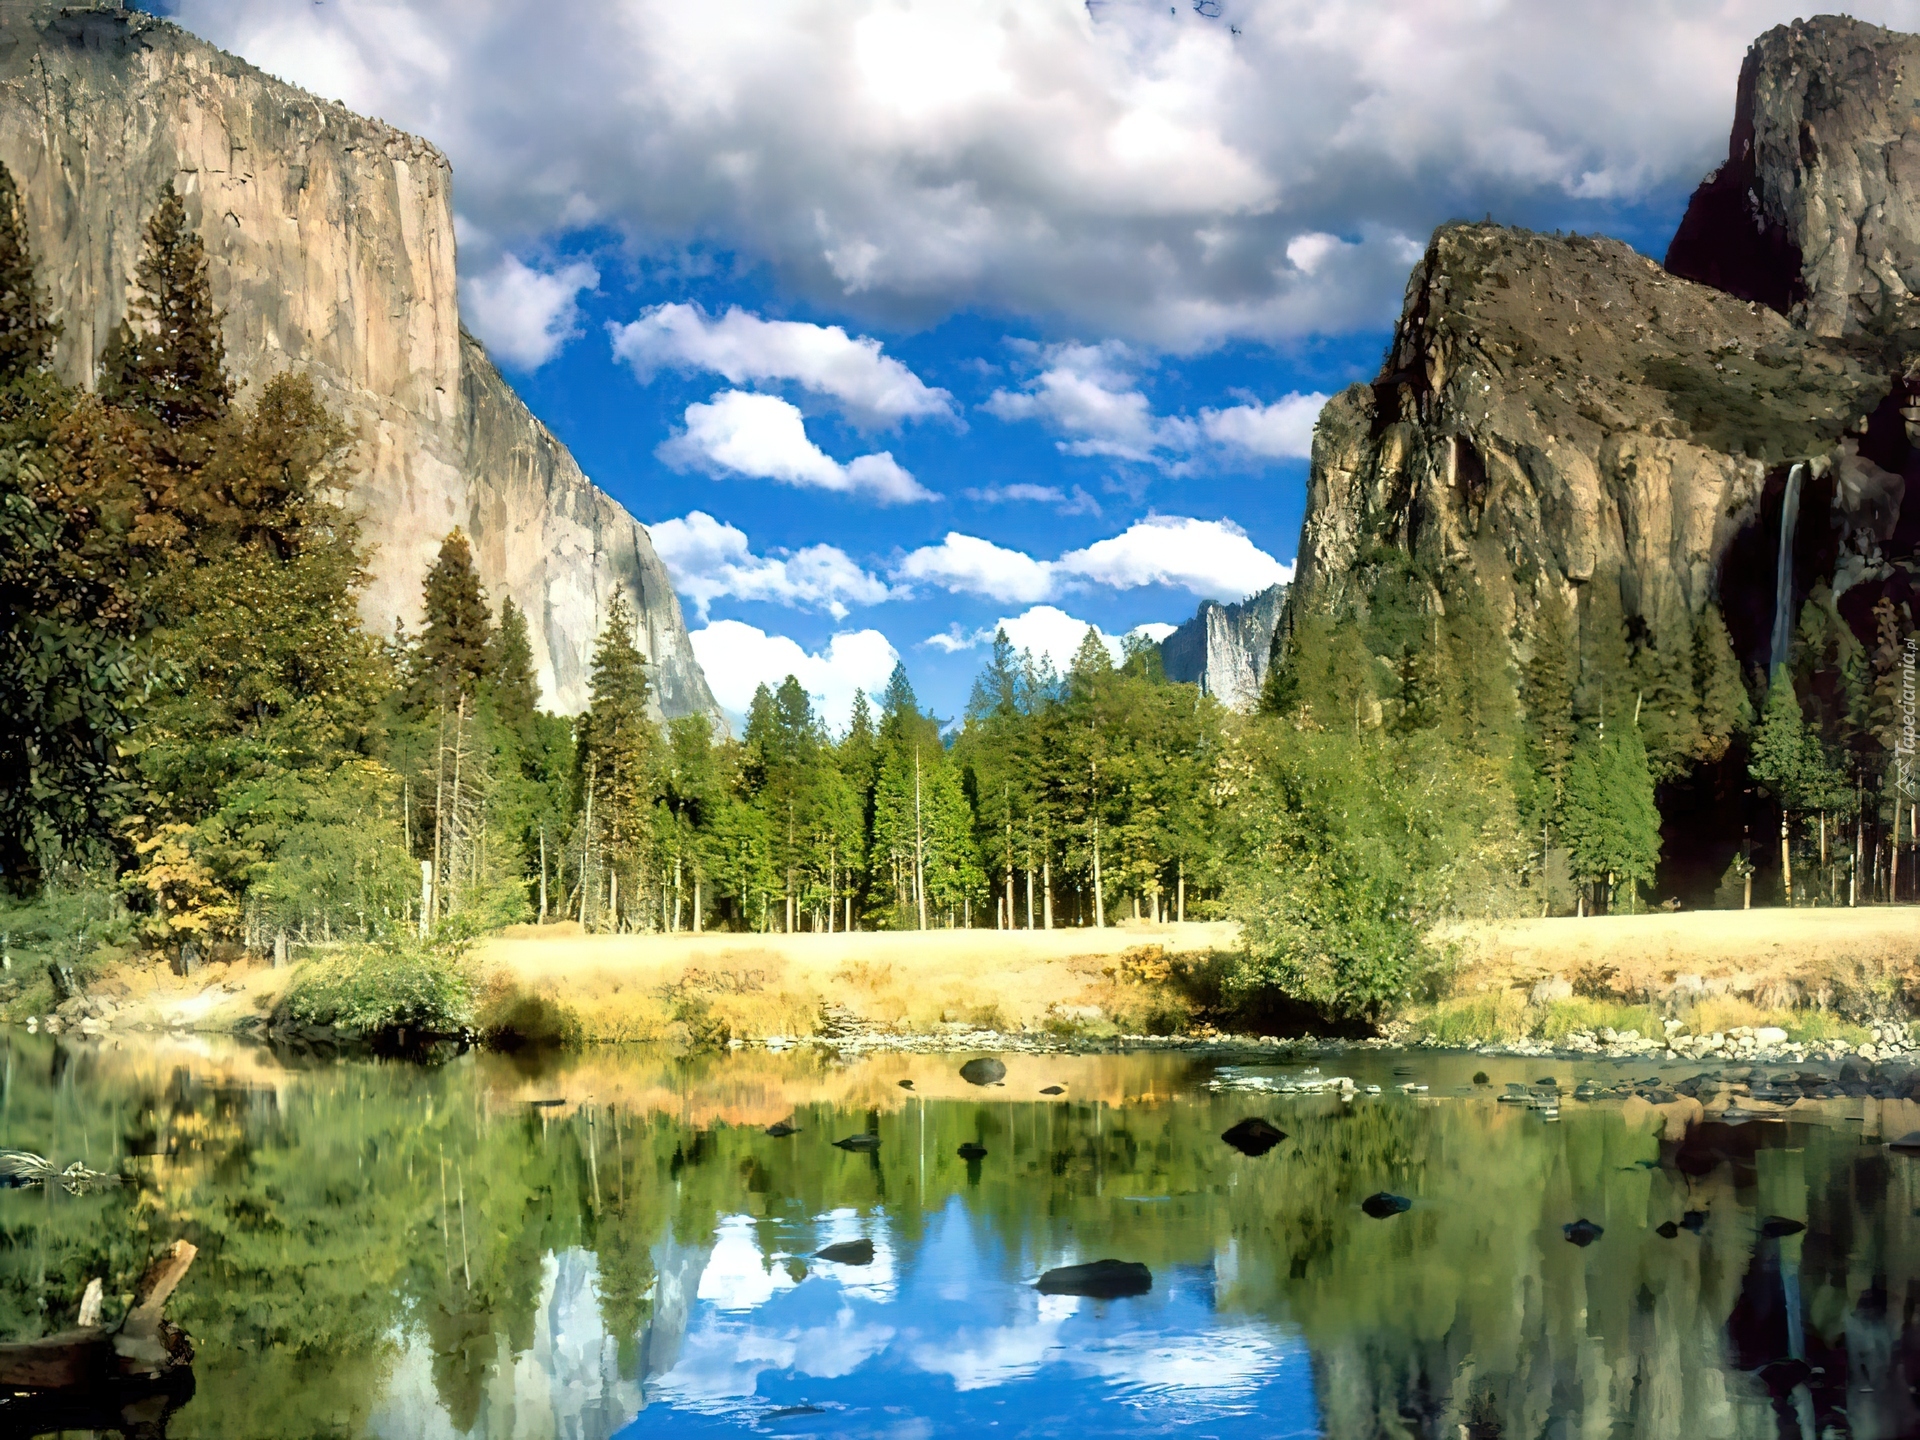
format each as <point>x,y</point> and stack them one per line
<point>1214,559</point>
<point>737,658</point>
<point>1046,632</point>
<point>1136,170</point>
<point>871,388</point>
<point>710,559</point>
<point>765,438</point>
<point>1092,395</point>
<point>1074,502</point>
<point>525,315</point>
<point>1280,431</point>
<point>966,564</point>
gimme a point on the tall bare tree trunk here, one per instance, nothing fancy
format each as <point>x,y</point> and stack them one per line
<point>543,874</point>
<point>1181,894</point>
<point>439,804</point>
<point>1786,856</point>
<point>1046,887</point>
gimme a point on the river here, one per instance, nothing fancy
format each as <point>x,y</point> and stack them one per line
<point>611,1244</point>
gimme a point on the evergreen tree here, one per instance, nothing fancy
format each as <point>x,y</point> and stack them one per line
<point>26,335</point>
<point>456,649</point>
<point>1668,696</point>
<point>1547,688</point>
<point>1606,689</point>
<point>617,753</point>
<point>514,690</point>
<point>1725,710</point>
<point>167,357</point>
<point>1611,823</point>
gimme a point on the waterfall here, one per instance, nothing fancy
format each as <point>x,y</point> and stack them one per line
<point>1783,571</point>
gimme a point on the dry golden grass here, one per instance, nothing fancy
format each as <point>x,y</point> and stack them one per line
<point>657,987</point>
<point>1773,959</point>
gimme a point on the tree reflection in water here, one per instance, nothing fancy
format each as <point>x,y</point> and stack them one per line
<point>396,1251</point>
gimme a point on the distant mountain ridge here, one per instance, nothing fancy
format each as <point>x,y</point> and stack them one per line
<point>1224,648</point>
<point>331,246</point>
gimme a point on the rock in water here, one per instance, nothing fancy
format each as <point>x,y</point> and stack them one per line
<point>906,1084</point>
<point>984,1071</point>
<point>780,1129</point>
<point>1583,1232</point>
<point>330,251</point>
<point>847,1252</point>
<point>1100,1280</point>
<point>1384,1206</point>
<point>1253,1136</point>
<point>1667,1230</point>
<point>1778,1227</point>
<point>862,1144</point>
<point>1694,1220</point>
<point>1054,1090</point>
<point>1907,1144</point>
<point>1480,1078</point>
<point>971,1151</point>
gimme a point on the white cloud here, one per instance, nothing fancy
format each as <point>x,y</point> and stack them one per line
<point>1137,170</point>
<point>872,388</point>
<point>1075,502</point>
<point>1048,633</point>
<point>525,315</point>
<point>1092,395</point>
<point>710,559</point>
<point>737,658</point>
<point>765,437</point>
<point>967,564</point>
<point>1210,558</point>
<point>1280,431</point>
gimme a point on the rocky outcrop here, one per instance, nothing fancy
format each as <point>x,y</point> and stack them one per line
<point>1224,648</point>
<point>331,241</point>
<point>1558,411</point>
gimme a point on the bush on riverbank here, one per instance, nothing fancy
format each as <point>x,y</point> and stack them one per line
<point>399,983</point>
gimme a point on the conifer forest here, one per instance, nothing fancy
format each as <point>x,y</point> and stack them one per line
<point>210,749</point>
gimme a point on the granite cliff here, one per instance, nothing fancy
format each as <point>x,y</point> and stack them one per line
<point>331,242</point>
<point>1224,648</point>
<point>1557,411</point>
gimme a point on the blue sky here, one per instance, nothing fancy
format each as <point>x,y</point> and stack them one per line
<point>1080,272</point>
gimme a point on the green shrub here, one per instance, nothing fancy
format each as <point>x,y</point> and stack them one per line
<point>398,983</point>
<point>510,1018</point>
<point>1564,1017</point>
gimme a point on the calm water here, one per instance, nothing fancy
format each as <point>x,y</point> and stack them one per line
<point>397,1252</point>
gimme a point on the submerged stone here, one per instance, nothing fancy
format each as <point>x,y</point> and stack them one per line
<point>1694,1220</point>
<point>1253,1136</point>
<point>780,1129</point>
<point>1053,1090</point>
<point>1667,1230</point>
<point>972,1151</point>
<point>864,1144</point>
<point>1778,1227</point>
<point>1384,1206</point>
<point>1098,1280</point>
<point>847,1252</point>
<point>1583,1232</point>
<point>1907,1144</point>
<point>984,1071</point>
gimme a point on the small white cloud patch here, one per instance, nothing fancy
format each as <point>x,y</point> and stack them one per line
<point>526,315</point>
<point>765,438</point>
<point>710,560</point>
<point>738,658</point>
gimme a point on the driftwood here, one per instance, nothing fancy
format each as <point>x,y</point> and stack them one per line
<point>145,1348</point>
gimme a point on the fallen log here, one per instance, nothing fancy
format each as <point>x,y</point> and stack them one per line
<point>145,1347</point>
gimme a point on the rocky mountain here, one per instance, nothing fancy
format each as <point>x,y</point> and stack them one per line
<point>1224,648</point>
<point>1557,411</point>
<point>331,242</point>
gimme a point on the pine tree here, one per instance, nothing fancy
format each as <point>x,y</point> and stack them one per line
<point>456,648</point>
<point>1785,762</point>
<point>1606,690</point>
<point>515,691</point>
<point>167,356</point>
<point>26,336</point>
<point>1611,823</point>
<point>1547,688</point>
<point>1668,697</point>
<point>1725,710</point>
<point>617,761</point>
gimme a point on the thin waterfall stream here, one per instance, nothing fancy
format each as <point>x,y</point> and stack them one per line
<point>1783,570</point>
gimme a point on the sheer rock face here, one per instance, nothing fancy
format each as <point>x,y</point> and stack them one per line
<point>1560,411</point>
<point>1224,648</point>
<point>331,244</point>
<point>1816,211</point>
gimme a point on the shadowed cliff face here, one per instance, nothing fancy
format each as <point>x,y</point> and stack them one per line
<point>332,249</point>
<point>1555,410</point>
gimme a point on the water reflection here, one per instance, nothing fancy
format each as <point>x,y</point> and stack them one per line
<point>404,1253</point>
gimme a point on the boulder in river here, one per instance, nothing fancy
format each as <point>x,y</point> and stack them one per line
<point>1384,1206</point>
<point>1054,1090</point>
<point>1098,1280</point>
<point>780,1129</point>
<point>847,1252</point>
<point>863,1144</point>
<point>984,1071</point>
<point>972,1151</point>
<point>906,1084</point>
<point>1694,1220</point>
<point>1583,1232</point>
<point>1253,1136</point>
<point>1907,1144</point>
<point>1666,1231</point>
<point>1778,1227</point>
